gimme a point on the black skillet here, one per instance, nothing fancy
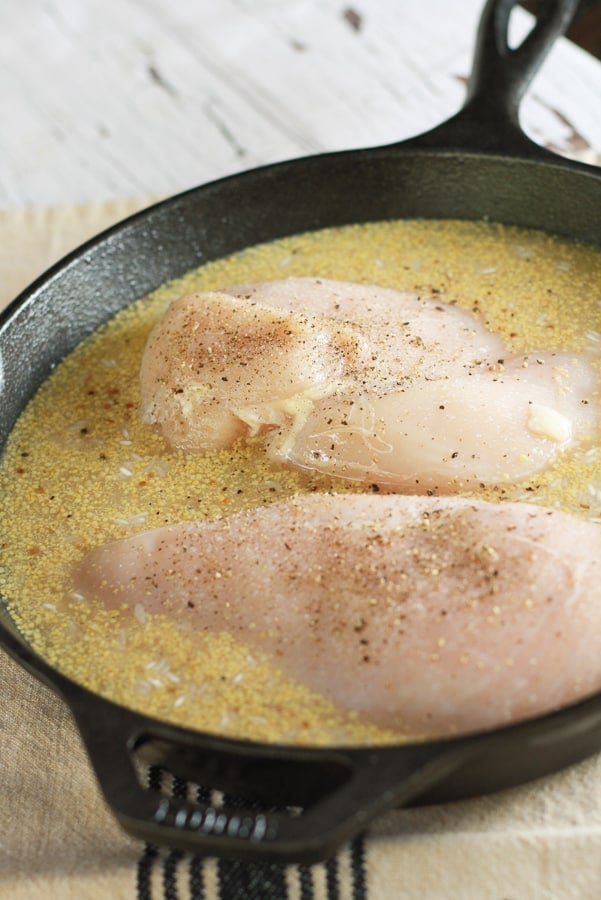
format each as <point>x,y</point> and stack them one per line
<point>301,804</point>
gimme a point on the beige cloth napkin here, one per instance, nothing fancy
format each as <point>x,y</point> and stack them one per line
<point>58,840</point>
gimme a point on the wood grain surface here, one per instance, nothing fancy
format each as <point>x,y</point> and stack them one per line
<point>116,98</point>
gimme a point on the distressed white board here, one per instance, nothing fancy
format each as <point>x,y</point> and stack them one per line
<point>113,98</point>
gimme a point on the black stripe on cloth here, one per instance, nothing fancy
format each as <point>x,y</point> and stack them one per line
<point>196,881</point>
<point>196,871</point>
<point>144,873</point>
<point>332,878</point>
<point>150,852</point>
<point>179,789</point>
<point>358,869</point>
<point>170,874</point>
<point>305,881</point>
<point>251,881</point>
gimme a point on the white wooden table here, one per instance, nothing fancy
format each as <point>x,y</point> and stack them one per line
<point>117,98</point>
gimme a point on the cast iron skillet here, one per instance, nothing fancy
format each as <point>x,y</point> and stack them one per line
<point>301,804</point>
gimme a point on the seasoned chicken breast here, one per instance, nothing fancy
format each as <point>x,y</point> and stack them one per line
<point>363,382</point>
<point>431,615</point>
<point>460,433</point>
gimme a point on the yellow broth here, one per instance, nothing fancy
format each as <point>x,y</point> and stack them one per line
<point>81,468</point>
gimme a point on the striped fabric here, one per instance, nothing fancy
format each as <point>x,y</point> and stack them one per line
<point>172,875</point>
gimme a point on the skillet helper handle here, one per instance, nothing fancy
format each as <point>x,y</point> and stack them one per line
<point>489,119</point>
<point>364,783</point>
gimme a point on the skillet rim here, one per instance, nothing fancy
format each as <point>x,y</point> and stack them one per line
<point>541,160</point>
<point>407,149</point>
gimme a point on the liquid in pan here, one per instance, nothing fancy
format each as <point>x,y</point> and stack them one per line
<point>309,595</point>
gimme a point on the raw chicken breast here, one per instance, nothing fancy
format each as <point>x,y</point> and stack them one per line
<point>406,335</point>
<point>459,433</point>
<point>221,365</point>
<point>426,614</point>
<point>350,379</point>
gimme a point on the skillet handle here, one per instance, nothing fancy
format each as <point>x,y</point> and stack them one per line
<point>489,119</point>
<point>300,804</point>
